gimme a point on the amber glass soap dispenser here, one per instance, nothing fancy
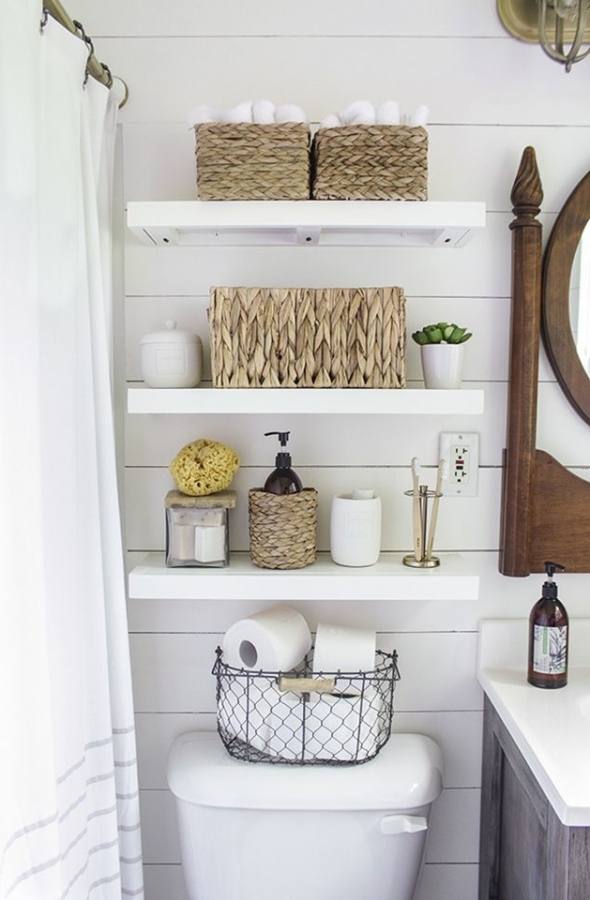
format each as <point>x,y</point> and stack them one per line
<point>548,636</point>
<point>282,480</point>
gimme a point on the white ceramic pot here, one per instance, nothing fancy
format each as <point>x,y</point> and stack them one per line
<point>355,529</point>
<point>442,365</point>
<point>172,358</point>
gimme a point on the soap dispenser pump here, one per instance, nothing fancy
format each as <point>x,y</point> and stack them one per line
<point>548,636</point>
<point>282,480</point>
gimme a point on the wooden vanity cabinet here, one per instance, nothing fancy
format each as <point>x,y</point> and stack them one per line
<point>526,853</point>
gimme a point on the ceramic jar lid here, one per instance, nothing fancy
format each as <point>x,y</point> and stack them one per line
<point>172,335</point>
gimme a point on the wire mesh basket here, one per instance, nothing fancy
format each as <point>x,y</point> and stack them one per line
<point>305,718</point>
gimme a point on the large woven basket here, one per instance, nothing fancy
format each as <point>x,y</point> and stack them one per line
<point>283,528</point>
<point>370,162</point>
<point>253,162</point>
<point>306,337</point>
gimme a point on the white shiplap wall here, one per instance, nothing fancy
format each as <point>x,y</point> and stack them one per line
<point>490,96</point>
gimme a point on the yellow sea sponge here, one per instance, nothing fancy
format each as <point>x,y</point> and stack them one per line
<point>204,467</point>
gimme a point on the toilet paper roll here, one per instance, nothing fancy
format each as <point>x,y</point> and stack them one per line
<point>182,542</point>
<point>247,718</point>
<point>336,728</point>
<point>344,649</point>
<point>210,543</point>
<point>275,640</point>
<point>342,728</point>
<point>285,726</point>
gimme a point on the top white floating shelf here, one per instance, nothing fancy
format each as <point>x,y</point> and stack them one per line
<point>304,401</point>
<point>305,222</point>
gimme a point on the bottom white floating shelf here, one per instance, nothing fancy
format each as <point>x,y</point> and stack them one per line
<point>455,579</point>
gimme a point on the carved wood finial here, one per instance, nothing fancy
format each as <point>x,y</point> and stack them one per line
<point>527,190</point>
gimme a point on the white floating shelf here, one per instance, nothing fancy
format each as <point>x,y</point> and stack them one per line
<point>305,401</point>
<point>455,579</point>
<point>305,222</point>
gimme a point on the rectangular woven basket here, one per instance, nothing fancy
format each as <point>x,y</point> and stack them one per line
<point>307,337</point>
<point>253,162</point>
<point>370,162</point>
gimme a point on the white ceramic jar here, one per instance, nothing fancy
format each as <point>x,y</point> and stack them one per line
<point>355,528</point>
<point>172,358</point>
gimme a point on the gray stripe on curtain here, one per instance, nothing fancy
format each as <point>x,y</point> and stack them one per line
<point>94,815</point>
<point>55,817</point>
<point>101,881</point>
<point>135,827</point>
<point>80,872</point>
<point>92,745</point>
<point>48,864</point>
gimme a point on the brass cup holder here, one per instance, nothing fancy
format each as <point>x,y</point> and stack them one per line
<point>422,557</point>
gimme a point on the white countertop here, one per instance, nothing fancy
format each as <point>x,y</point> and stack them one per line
<point>550,727</point>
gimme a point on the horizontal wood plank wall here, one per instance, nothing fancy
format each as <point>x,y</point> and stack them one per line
<point>489,96</point>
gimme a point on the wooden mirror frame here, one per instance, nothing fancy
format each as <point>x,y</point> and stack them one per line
<point>545,508</point>
<point>558,336</point>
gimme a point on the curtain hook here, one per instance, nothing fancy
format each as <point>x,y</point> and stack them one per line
<point>108,73</point>
<point>44,18</point>
<point>79,27</point>
<point>90,55</point>
<point>88,41</point>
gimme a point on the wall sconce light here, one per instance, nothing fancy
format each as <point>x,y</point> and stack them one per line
<point>561,27</point>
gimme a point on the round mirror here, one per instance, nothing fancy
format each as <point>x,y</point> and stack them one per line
<point>566,298</point>
<point>579,298</point>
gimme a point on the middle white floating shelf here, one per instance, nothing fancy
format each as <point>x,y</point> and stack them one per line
<point>308,223</point>
<point>304,401</point>
<point>457,578</point>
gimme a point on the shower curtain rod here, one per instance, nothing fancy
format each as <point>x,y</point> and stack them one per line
<point>95,68</point>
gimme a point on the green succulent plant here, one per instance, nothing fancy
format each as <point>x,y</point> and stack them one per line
<point>441,333</point>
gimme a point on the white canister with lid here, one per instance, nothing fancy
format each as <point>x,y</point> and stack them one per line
<point>355,528</point>
<point>172,358</point>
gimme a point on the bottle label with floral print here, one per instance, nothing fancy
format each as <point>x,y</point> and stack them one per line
<point>550,649</point>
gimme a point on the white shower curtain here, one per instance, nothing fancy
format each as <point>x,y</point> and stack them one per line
<point>69,817</point>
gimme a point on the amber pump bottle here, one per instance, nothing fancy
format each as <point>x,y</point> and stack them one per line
<point>282,480</point>
<point>548,636</point>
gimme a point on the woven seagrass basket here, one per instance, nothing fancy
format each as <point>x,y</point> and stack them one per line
<point>306,337</point>
<point>253,162</point>
<point>283,528</point>
<point>370,162</point>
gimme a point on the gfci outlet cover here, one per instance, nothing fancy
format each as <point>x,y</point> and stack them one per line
<point>460,449</point>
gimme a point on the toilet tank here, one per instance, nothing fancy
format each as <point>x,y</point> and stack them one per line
<point>262,832</point>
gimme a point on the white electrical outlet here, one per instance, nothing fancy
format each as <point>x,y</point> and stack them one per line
<point>461,451</point>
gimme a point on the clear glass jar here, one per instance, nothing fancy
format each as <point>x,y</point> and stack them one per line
<point>197,529</point>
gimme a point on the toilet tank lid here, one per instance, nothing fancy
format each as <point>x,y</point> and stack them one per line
<point>405,775</point>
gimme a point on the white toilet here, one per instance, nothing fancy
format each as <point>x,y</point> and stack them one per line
<point>263,832</point>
